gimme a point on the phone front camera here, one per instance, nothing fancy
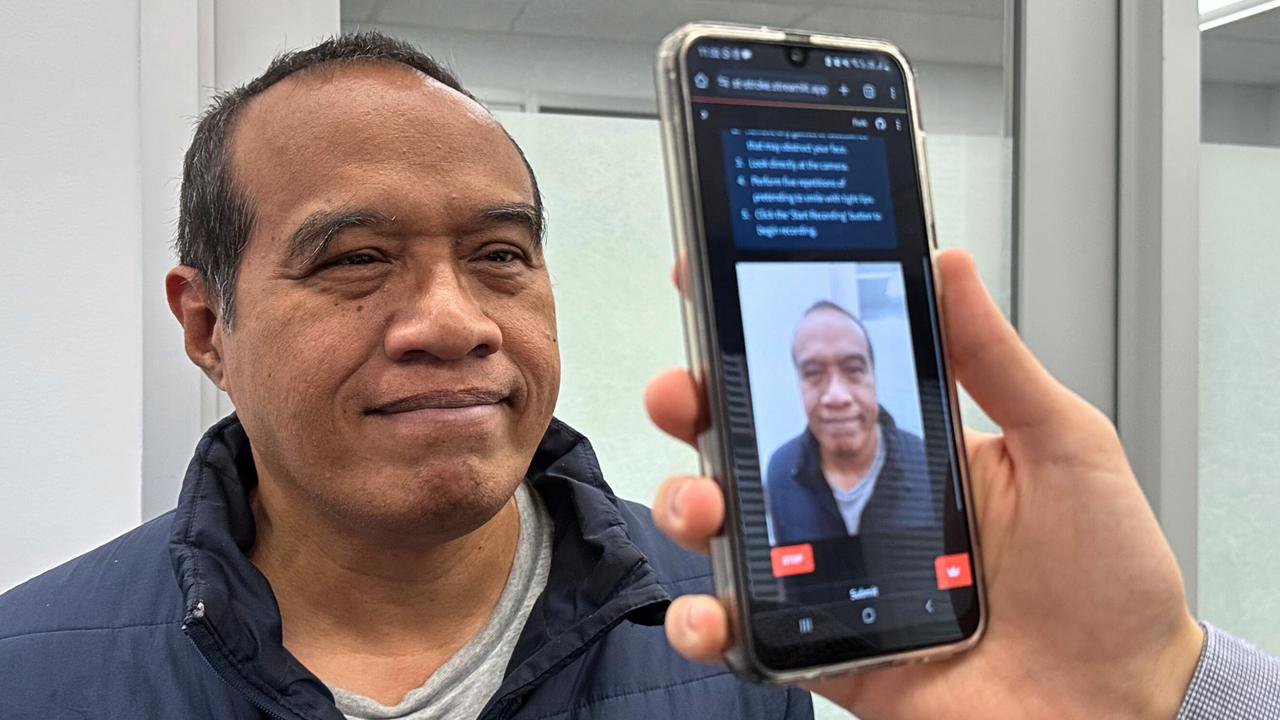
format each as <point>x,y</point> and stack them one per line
<point>796,56</point>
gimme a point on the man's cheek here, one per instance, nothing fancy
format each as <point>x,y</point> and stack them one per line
<point>534,348</point>
<point>290,372</point>
<point>809,397</point>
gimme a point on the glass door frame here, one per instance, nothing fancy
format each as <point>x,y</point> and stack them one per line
<point>1107,225</point>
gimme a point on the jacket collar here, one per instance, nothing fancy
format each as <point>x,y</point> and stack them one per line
<point>598,576</point>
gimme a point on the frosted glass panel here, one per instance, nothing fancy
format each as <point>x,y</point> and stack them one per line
<point>972,202</point>
<point>1239,378</point>
<point>972,187</point>
<point>610,253</point>
<point>609,250</point>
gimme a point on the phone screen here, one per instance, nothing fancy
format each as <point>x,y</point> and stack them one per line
<point>843,453</point>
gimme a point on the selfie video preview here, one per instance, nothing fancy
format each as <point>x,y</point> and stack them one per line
<point>836,407</point>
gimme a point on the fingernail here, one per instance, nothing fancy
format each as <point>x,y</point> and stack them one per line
<point>673,503</point>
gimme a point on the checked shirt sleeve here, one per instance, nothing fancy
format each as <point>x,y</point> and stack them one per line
<point>1233,681</point>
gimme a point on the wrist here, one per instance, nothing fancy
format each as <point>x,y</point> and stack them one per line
<point>1171,671</point>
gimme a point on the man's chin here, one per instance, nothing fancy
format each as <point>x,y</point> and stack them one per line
<point>843,443</point>
<point>411,446</point>
<point>436,501</point>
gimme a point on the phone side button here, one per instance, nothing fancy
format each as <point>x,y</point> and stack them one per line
<point>722,568</point>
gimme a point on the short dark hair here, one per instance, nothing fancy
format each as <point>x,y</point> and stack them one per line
<point>829,305</point>
<point>216,215</point>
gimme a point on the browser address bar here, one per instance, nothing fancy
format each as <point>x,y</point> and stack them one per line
<point>770,85</point>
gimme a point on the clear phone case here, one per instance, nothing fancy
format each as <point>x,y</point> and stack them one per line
<point>702,347</point>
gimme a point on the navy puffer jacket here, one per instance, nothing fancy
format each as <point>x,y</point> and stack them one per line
<point>171,620</point>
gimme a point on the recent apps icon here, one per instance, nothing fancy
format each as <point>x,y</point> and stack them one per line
<point>953,571</point>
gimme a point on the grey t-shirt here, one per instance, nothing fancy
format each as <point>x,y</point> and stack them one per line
<point>853,501</point>
<point>466,681</point>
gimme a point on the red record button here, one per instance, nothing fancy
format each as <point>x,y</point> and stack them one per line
<point>953,571</point>
<point>792,560</point>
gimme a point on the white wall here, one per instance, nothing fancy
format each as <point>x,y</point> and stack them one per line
<point>70,302</point>
<point>190,51</point>
<point>169,100</point>
<point>102,407</point>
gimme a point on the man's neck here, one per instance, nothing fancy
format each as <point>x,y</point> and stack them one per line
<point>377,613</point>
<point>844,471</point>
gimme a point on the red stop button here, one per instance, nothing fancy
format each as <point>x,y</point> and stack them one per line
<point>792,560</point>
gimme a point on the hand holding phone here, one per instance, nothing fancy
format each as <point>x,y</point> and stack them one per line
<point>1087,613</point>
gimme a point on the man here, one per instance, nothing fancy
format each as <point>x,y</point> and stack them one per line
<point>852,470</point>
<point>392,525</point>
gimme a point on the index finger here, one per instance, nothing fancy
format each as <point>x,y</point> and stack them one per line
<point>675,403</point>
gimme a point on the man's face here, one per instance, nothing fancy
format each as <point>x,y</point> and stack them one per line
<point>401,374</point>
<point>837,382</point>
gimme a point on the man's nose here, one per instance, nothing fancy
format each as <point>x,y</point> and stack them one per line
<point>837,393</point>
<point>442,321</point>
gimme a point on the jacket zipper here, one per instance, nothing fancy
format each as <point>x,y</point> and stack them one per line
<point>195,627</point>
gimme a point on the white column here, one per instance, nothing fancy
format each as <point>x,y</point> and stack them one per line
<point>70,298</point>
<point>169,103</point>
<point>190,51</point>
<point>1158,386</point>
<point>249,33</point>
<point>1065,204</point>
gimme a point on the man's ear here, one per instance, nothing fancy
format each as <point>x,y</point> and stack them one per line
<point>197,312</point>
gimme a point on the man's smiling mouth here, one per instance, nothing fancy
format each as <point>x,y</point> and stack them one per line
<point>453,399</point>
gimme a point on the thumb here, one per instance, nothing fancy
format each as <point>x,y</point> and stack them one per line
<point>989,358</point>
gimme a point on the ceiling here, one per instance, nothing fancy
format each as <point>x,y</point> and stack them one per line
<point>1246,51</point>
<point>948,31</point>
<point>957,31</point>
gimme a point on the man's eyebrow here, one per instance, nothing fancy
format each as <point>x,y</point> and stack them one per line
<point>516,213</point>
<point>317,232</point>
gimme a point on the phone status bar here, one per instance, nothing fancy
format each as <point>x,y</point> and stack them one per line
<point>725,52</point>
<point>857,62</point>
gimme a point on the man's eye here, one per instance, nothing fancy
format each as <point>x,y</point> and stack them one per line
<point>360,258</point>
<point>502,256</point>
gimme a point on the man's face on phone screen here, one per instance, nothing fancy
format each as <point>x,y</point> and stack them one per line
<point>837,382</point>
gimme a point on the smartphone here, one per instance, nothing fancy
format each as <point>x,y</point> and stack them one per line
<point>805,241</point>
